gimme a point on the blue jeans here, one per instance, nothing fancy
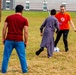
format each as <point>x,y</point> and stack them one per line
<point>20,49</point>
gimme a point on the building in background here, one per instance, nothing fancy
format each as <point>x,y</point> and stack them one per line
<point>39,4</point>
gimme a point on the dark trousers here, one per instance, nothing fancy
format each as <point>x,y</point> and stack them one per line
<point>65,35</point>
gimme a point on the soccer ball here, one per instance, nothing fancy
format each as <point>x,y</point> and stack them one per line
<point>56,49</point>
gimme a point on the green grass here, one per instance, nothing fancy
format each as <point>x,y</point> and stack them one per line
<point>62,63</point>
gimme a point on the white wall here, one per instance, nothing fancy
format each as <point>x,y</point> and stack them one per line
<point>38,4</point>
<point>52,4</point>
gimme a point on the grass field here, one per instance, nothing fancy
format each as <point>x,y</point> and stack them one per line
<point>62,63</point>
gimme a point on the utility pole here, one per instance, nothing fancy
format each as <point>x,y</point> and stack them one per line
<point>0,10</point>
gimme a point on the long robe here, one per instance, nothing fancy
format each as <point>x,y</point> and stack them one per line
<point>48,27</point>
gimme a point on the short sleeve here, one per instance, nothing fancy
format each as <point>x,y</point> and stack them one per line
<point>56,15</point>
<point>6,20</point>
<point>26,22</point>
<point>69,17</point>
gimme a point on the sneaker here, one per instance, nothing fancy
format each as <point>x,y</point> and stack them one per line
<point>25,71</point>
<point>66,50</point>
<point>39,51</point>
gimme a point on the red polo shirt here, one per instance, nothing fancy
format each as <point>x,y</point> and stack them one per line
<point>63,20</point>
<point>15,25</point>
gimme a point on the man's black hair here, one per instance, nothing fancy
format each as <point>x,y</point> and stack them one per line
<point>53,12</point>
<point>19,8</point>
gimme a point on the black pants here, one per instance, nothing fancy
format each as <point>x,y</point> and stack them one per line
<point>65,35</point>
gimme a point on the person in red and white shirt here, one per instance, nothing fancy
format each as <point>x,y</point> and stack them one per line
<point>64,20</point>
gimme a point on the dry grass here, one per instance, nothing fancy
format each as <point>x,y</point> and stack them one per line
<point>62,63</point>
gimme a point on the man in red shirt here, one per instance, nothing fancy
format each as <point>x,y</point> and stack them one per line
<point>63,18</point>
<point>13,38</point>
